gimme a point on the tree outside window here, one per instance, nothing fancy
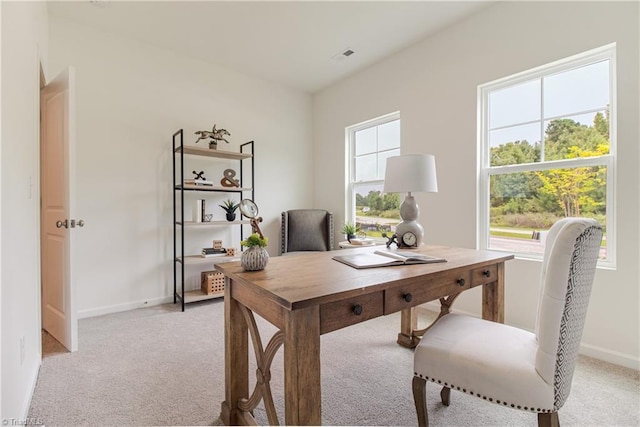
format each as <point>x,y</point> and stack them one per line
<point>547,153</point>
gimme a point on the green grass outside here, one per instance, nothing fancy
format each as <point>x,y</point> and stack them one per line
<point>511,235</point>
<point>522,234</point>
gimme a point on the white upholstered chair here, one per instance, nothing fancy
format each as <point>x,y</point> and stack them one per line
<point>530,371</point>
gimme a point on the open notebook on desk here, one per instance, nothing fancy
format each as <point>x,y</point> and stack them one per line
<point>386,259</point>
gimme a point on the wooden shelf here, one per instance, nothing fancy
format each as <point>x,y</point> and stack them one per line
<point>197,259</point>
<point>210,223</point>
<point>192,187</point>
<point>221,154</point>
<point>198,295</point>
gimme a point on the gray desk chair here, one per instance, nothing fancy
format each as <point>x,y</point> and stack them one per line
<point>306,230</point>
<point>530,371</point>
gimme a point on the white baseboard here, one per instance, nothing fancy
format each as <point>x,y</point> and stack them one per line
<point>609,356</point>
<point>99,311</point>
<point>29,397</point>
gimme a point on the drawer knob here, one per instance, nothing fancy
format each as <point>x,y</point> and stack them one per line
<point>461,281</point>
<point>486,273</point>
<point>357,309</point>
<point>407,297</point>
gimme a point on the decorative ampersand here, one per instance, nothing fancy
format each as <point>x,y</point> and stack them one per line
<point>199,175</point>
<point>228,179</point>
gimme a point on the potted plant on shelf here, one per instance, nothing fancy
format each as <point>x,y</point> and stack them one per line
<point>350,230</point>
<point>230,208</point>
<point>256,257</point>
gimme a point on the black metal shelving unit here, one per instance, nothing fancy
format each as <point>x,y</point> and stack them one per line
<point>246,154</point>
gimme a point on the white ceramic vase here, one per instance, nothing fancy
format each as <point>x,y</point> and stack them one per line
<point>255,258</point>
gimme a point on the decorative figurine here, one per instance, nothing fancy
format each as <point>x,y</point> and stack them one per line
<point>214,134</point>
<point>228,180</point>
<point>199,175</point>
<point>391,240</point>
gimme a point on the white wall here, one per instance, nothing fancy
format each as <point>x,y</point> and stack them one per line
<point>24,43</point>
<point>131,98</point>
<point>434,86</point>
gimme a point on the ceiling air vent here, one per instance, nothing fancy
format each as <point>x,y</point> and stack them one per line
<point>345,53</point>
<point>99,3</point>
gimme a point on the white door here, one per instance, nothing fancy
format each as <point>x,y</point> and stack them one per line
<point>57,159</point>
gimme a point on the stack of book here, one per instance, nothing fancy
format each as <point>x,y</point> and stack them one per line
<point>198,182</point>
<point>211,252</point>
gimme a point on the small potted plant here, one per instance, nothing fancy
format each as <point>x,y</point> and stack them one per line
<point>350,230</point>
<point>256,257</point>
<point>230,208</point>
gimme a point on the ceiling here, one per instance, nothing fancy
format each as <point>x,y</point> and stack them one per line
<point>294,43</point>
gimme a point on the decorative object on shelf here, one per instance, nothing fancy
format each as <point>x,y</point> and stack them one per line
<point>228,179</point>
<point>199,176</point>
<point>217,244</point>
<point>410,173</point>
<point>256,257</point>
<point>350,230</point>
<point>231,251</point>
<point>198,210</point>
<point>214,135</point>
<point>230,208</point>
<point>211,282</point>
<point>207,218</point>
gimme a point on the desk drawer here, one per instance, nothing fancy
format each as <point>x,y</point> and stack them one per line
<point>419,292</point>
<point>484,275</point>
<point>339,314</point>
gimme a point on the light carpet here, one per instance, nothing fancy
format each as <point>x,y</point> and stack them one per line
<point>159,366</point>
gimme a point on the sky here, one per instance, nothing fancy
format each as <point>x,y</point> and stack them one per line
<point>515,112</point>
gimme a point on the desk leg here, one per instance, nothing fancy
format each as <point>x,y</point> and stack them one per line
<point>302,366</point>
<point>408,323</point>
<point>493,298</point>
<point>236,360</point>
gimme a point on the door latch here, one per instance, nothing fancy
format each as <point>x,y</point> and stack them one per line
<point>79,223</point>
<point>70,223</point>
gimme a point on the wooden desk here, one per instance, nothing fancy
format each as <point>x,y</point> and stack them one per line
<point>306,295</point>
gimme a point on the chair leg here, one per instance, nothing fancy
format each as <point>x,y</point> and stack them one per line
<point>420,399</point>
<point>444,395</point>
<point>548,419</point>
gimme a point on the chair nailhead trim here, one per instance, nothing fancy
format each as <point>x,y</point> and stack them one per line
<point>490,399</point>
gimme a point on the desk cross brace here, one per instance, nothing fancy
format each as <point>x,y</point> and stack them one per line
<point>445,308</point>
<point>264,358</point>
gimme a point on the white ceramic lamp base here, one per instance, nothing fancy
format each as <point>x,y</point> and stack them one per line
<point>410,232</point>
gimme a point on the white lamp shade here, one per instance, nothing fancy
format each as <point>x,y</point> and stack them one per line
<point>411,173</point>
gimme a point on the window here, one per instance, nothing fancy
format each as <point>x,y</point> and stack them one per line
<point>369,146</point>
<point>547,151</point>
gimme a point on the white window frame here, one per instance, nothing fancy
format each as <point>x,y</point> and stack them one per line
<point>350,140</point>
<point>485,171</point>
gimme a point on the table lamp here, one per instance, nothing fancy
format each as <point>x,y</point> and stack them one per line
<point>410,173</point>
